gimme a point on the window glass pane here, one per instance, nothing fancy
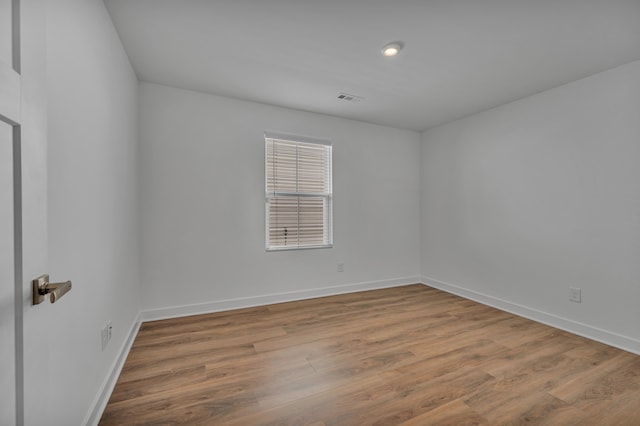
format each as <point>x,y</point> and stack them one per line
<point>283,220</point>
<point>312,220</point>
<point>311,169</point>
<point>281,167</point>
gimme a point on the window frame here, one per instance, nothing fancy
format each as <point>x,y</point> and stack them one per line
<point>327,196</point>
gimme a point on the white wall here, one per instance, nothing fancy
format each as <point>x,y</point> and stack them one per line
<point>202,188</point>
<point>93,202</point>
<point>522,201</point>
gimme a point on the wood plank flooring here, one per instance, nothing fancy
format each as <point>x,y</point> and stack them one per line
<point>409,355</point>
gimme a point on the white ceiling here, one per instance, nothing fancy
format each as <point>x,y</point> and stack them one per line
<point>460,56</point>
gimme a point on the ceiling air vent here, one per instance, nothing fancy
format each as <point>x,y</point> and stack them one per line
<point>350,98</point>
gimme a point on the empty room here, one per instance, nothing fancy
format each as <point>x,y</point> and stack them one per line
<point>305,212</point>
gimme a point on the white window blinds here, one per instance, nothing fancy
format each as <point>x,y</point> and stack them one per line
<point>298,194</point>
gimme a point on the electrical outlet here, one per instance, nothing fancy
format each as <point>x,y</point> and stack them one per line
<point>340,266</point>
<point>105,334</point>
<point>575,294</point>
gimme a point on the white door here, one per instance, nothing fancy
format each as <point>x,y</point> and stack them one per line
<point>9,118</point>
<point>23,201</point>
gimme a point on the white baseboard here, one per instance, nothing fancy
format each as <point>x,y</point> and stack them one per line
<point>102,398</point>
<point>604,336</point>
<point>248,302</point>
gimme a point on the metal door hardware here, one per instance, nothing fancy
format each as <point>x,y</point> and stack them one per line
<point>42,287</point>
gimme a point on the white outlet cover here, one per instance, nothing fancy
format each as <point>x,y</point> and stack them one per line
<point>575,294</point>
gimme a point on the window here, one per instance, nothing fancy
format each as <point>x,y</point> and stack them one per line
<point>298,193</point>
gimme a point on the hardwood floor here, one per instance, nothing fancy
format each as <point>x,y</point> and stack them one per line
<point>409,355</point>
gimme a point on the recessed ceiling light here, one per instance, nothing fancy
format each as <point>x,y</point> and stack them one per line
<point>392,49</point>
